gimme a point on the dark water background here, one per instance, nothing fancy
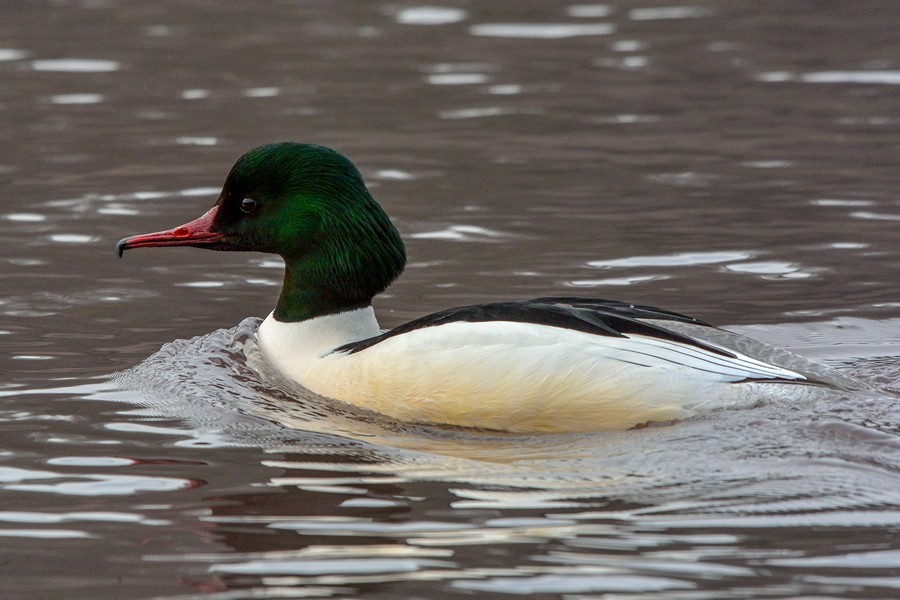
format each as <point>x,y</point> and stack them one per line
<point>732,160</point>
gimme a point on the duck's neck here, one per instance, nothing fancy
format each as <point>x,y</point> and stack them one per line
<point>303,295</point>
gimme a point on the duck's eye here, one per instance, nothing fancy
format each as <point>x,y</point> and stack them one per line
<point>248,205</point>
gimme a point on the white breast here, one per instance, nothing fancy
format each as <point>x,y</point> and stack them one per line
<point>509,376</point>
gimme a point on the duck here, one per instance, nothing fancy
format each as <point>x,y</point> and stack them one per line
<point>542,365</point>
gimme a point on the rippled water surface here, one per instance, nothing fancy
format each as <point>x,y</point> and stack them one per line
<point>732,160</point>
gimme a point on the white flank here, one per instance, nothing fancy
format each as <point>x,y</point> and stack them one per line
<point>509,376</point>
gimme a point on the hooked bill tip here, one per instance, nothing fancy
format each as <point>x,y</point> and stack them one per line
<point>121,246</point>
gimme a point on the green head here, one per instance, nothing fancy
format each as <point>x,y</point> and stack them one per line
<point>309,205</point>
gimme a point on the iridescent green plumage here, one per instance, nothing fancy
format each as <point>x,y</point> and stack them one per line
<point>313,208</point>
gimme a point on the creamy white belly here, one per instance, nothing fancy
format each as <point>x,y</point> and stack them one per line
<point>519,377</point>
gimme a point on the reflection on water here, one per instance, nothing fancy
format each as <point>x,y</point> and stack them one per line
<point>863,77</point>
<point>76,65</point>
<point>821,460</point>
<point>353,499</point>
<point>735,161</point>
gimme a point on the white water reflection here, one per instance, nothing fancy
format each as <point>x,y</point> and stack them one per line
<point>574,581</point>
<point>775,76</point>
<point>76,65</point>
<point>195,94</point>
<point>91,461</point>
<point>505,89</point>
<point>546,31</point>
<point>841,202</point>
<point>393,175</point>
<point>467,67</point>
<point>118,209</point>
<point>113,204</point>
<point>73,238</point>
<point>772,269</point>
<point>875,121</point>
<point>461,233</point>
<point>872,216</point>
<point>69,517</point>
<point>835,77</point>
<point>21,480</point>
<point>668,12</point>
<point>7,54</point>
<point>622,62</point>
<point>200,191</point>
<point>628,46</point>
<point>46,534</point>
<point>76,99</point>
<point>617,281</point>
<point>334,566</point>
<point>684,178</point>
<point>196,141</point>
<point>100,485</point>
<point>767,164</point>
<point>589,11</point>
<point>262,92</point>
<point>430,15</point>
<point>25,217</point>
<point>201,284</point>
<point>680,259</point>
<point>457,78</point>
<point>626,119</point>
<point>863,77</point>
<point>475,113</point>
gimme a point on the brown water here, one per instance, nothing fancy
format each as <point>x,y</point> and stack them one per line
<point>732,160</point>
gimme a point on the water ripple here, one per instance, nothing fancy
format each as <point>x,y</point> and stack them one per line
<point>545,31</point>
<point>667,13</point>
<point>681,259</point>
<point>462,233</point>
<point>76,65</point>
<point>430,15</point>
<point>8,54</point>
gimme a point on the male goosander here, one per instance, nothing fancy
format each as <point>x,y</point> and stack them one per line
<point>542,365</point>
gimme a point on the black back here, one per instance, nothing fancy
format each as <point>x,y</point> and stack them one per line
<point>609,318</point>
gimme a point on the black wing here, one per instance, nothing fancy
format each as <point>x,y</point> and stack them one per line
<point>609,318</point>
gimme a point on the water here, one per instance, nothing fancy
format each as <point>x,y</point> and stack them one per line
<point>733,161</point>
